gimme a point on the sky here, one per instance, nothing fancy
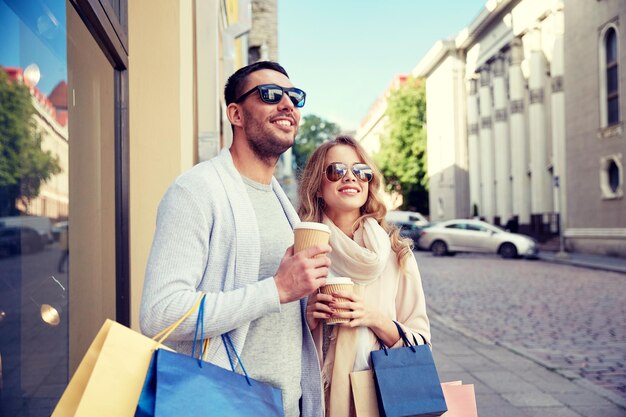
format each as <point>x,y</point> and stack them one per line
<point>345,53</point>
<point>37,31</point>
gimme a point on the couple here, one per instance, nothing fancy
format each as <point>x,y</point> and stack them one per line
<point>224,228</point>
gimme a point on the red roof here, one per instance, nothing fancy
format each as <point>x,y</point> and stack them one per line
<point>58,96</point>
<point>59,93</point>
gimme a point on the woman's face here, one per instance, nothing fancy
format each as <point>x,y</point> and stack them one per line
<point>346,196</point>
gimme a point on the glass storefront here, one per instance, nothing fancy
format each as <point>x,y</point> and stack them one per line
<point>34,209</point>
<point>56,87</point>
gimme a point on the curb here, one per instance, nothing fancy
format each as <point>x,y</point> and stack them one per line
<point>584,264</point>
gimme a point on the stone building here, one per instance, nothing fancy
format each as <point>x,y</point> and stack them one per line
<point>524,121</point>
<point>495,124</point>
<point>263,36</point>
<point>373,126</point>
<point>595,108</point>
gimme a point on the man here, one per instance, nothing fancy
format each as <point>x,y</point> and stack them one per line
<point>225,228</point>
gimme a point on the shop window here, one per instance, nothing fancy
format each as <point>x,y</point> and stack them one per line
<point>609,77</point>
<point>611,177</point>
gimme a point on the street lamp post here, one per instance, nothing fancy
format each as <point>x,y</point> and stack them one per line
<point>561,253</point>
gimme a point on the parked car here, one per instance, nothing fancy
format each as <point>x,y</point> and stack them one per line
<point>40,224</point>
<point>463,235</point>
<point>58,228</point>
<point>19,240</point>
<point>410,230</point>
<point>399,216</point>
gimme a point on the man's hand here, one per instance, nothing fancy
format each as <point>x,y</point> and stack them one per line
<point>301,274</point>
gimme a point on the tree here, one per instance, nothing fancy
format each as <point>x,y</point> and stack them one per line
<point>312,133</point>
<point>402,158</point>
<point>24,166</point>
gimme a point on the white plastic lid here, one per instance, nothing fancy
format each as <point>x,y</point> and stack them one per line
<point>338,281</point>
<point>313,225</point>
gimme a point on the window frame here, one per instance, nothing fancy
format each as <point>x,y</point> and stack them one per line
<point>605,183</point>
<point>108,23</point>
<point>603,76</point>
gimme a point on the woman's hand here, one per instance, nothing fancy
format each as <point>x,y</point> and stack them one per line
<point>318,308</point>
<point>362,314</point>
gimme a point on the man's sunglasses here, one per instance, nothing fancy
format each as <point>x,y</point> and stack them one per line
<point>337,170</point>
<point>272,94</point>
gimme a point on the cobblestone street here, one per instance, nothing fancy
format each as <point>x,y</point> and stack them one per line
<point>569,319</point>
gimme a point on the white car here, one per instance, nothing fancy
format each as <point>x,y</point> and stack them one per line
<point>464,235</point>
<point>398,216</point>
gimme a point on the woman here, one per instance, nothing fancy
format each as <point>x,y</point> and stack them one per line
<point>340,187</point>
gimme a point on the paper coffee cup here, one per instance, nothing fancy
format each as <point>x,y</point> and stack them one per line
<point>307,234</point>
<point>335,284</point>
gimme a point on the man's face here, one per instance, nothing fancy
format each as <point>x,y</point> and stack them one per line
<point>269,128</point>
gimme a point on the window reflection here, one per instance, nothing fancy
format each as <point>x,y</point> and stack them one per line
<point>34,198</point>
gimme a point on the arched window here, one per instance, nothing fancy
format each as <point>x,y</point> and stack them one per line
<point>612,77</point>
<point>609,76</point>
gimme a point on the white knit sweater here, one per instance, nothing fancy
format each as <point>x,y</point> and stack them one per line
<point>206,240</point>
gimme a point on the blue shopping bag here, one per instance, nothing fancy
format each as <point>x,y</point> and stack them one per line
<point>182,385</point>
<point>406,379</point>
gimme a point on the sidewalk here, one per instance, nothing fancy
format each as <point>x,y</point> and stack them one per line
<point>510,385</point>
<point>607,263</point>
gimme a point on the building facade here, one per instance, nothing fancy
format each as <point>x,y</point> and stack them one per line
<point>525,128</point>
<point>595,109</point>
<point>372,130</point>
<point>447,149</point>
<point>503,138</point>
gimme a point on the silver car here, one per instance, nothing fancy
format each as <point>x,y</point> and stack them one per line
<point>464,235</point>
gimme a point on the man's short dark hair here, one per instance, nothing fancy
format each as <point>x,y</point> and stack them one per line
<point>235,82</point>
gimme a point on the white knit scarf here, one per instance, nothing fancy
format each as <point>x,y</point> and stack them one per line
<point>363,259</point>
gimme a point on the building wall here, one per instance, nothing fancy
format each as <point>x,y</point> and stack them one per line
<point>495,119</point>
<point>447,156</point>
<point>372,128</point>
<point>595,223</point>
<point>263,39</point>
<point>159,138</point>
<point>176,102</point>
<point>53,199</point>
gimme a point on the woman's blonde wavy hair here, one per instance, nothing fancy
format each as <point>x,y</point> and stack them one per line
<point>312,206</point>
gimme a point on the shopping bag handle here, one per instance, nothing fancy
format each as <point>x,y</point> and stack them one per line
<point>404,338</point>
<point>200,328</point>
<point>225,339</point>
<point>165,333</point>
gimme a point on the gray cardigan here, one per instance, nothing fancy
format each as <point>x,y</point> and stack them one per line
<point>207,240</point>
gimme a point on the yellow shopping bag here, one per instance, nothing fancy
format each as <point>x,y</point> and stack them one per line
<point>364,393</point>
<point>110,377</point>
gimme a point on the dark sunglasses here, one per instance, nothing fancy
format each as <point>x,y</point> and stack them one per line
<point>272,94</point>
<point>337,170</point>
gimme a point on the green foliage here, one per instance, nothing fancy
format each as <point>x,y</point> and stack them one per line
<point>402,156</point>
<point>312,133</point>
<point>24,166</point>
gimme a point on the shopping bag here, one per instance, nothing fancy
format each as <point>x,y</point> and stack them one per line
<point>460,399</point>
<point>407,383</point>
<point>110,377</point>
<point>183,385</point>
<point>364,393</point>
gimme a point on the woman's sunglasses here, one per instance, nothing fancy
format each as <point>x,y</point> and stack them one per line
<point>337,170</point>
<point>272,94</point>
